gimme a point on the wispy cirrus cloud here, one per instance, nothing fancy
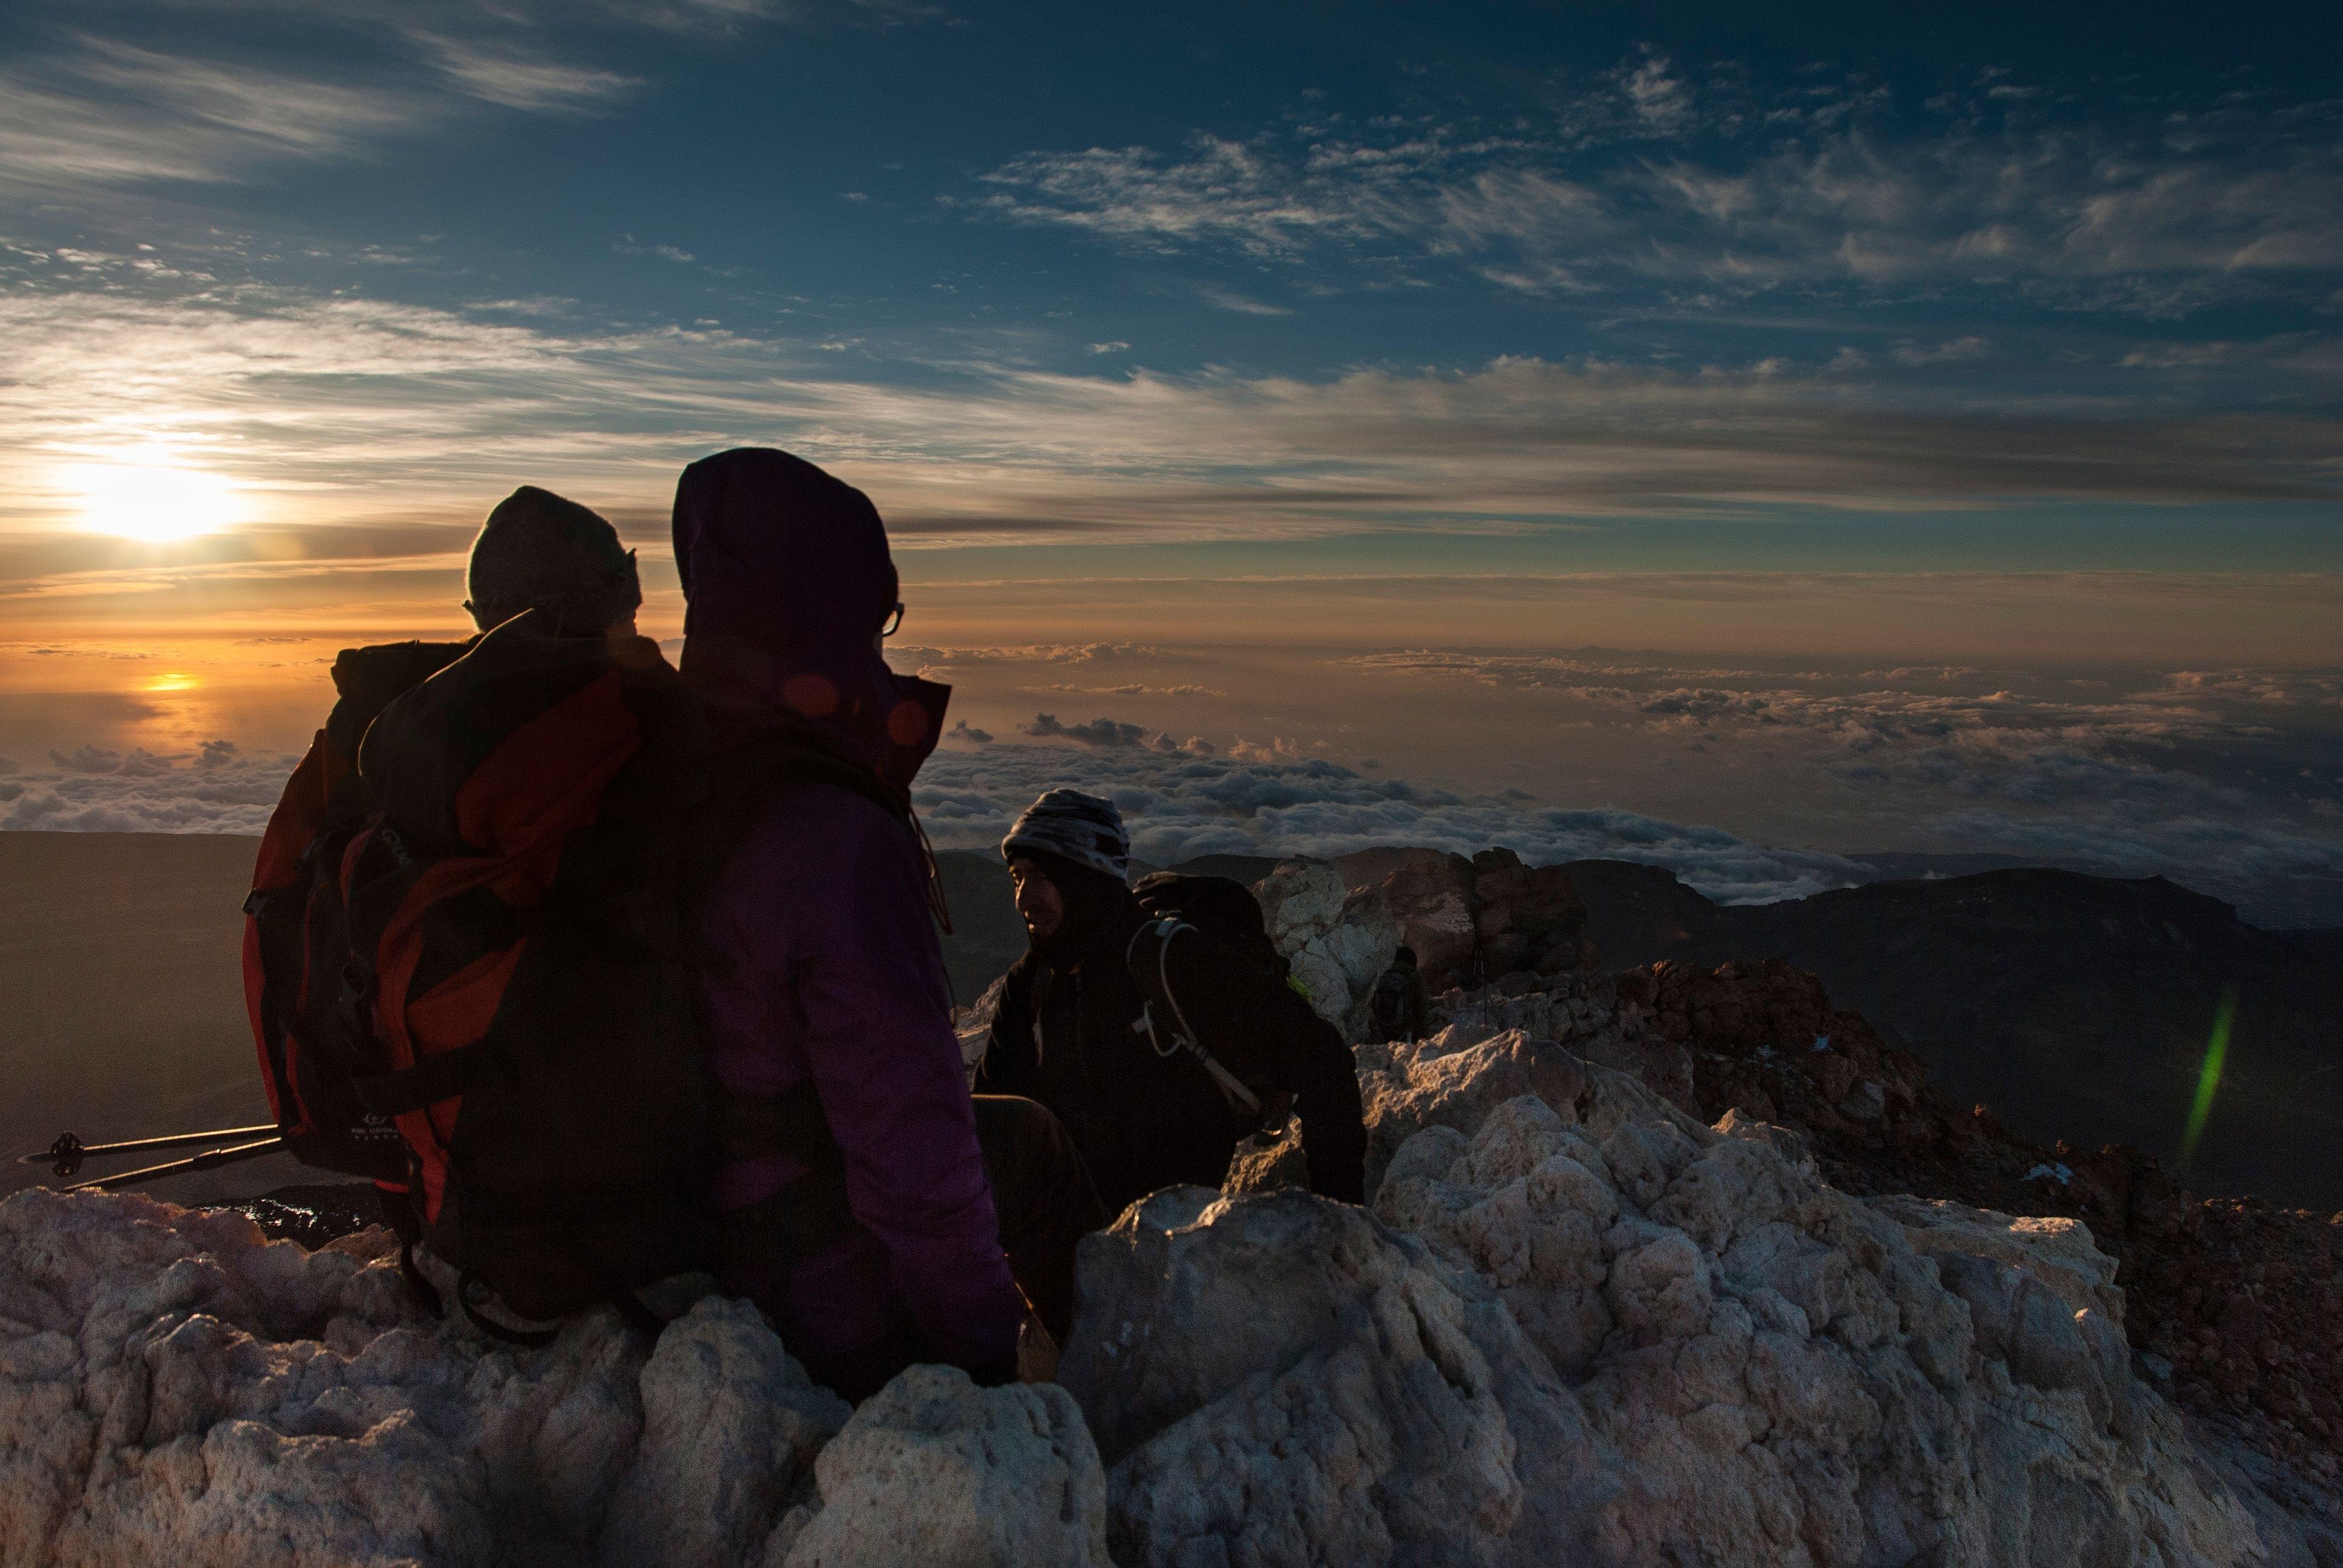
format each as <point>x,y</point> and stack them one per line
<point>85,110</point>
<point>98,113</point>
<point>1647,178</point>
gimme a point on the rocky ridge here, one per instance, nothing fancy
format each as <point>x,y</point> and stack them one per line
<point>1642,1281</point>
<point>2235,1305</point>
<point>1575,1322</point>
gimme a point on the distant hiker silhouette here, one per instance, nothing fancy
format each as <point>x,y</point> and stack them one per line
<point>1400,1005</point>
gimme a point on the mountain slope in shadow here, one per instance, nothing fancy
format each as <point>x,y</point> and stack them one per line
<point>2076,1007</point>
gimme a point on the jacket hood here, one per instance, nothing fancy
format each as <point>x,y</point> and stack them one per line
<point>787,579</point>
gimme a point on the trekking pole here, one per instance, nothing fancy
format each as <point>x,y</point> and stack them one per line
<point>65,1156</point>
<point>203,1161</point>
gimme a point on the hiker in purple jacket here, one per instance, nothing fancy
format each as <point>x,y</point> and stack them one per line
<point>856,1205</point>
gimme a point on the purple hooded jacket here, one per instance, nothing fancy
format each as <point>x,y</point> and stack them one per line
<point>835,970</point>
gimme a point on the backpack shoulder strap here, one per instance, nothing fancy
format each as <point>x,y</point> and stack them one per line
<point>1036,999</point>
<point>768,762</point>
<point>1160,933</point>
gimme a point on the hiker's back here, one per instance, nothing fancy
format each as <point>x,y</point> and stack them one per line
<point>1388,1005</point>
<point>492,962</point>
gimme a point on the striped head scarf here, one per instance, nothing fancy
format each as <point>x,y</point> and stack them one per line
<point>1076,827</point>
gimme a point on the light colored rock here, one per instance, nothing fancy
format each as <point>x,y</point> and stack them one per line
<point>1263,1163</point>
<point>1575,1325</point>
<point>1281,1379</point>
<point>1459,1076</point>
<point>175,1389</point>
<point>730,1429</point>
<point>933,1470</point>
<point>1337,944</point>
<point>1301,899</point>
<point>1589,1330</point>
<point>1782,1370</point>
<point>973,1025</point>
<point>2056,1250</point>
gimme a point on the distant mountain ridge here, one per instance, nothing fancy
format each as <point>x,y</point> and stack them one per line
<point>2077,1007</point>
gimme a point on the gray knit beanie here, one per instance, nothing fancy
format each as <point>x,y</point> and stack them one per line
<point>543,552</point>
<point>1074,827</point>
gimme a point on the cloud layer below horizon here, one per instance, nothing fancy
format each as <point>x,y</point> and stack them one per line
<point>2230,780</point>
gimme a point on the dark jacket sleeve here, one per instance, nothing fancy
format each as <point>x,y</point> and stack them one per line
<point>1009,1065</point>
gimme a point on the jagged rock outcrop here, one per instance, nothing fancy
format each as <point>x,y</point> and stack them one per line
<point>175,1388</point>
<point>2234,1306</point>
<point>1278,1379</point>
<point>1732,1360</point>
<point>934,1470</point>
<point>1576,1323</point>
<point>1478,918</point>
<point>1430,893</point>
<point>1338,943</point>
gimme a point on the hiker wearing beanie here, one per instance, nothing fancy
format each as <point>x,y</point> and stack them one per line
<point>543,552</point>
<point>537,552</point>
<point>865,1203</point>
<point>1159,1043</point>
<point>476,831</point>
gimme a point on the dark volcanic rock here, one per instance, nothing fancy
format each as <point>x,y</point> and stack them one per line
<point>1475,921</point>
<point>315,1214</point>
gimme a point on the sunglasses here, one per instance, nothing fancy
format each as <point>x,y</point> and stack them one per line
<point>894,621</point>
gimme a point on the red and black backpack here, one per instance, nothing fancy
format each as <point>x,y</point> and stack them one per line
<point>316,1110</point>
<point>470,960</point>
<point>468,972</point>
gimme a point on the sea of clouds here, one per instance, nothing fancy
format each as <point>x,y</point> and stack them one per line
<point>2224,781</point>
<point>1180,805</point>
<point>219,788</point>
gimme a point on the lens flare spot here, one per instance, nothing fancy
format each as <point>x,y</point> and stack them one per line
<point>812,694</point>
<point>2208,1076</point>
<point>906,723</point>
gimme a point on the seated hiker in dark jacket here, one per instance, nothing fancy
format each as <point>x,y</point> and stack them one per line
<point>874,1211</point>
<point>1149,1042</point>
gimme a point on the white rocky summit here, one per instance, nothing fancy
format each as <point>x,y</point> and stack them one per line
<point>1574,1325</point>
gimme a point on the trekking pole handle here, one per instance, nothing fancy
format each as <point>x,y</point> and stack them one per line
<point>65,1156</point>
<point>203,1161</point>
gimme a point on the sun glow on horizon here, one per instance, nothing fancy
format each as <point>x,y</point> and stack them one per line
<point>154,497</point>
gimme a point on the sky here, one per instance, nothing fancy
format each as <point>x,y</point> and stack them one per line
<point>1744,438</point>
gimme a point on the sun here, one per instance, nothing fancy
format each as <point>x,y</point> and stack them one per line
<point>154,497</point>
